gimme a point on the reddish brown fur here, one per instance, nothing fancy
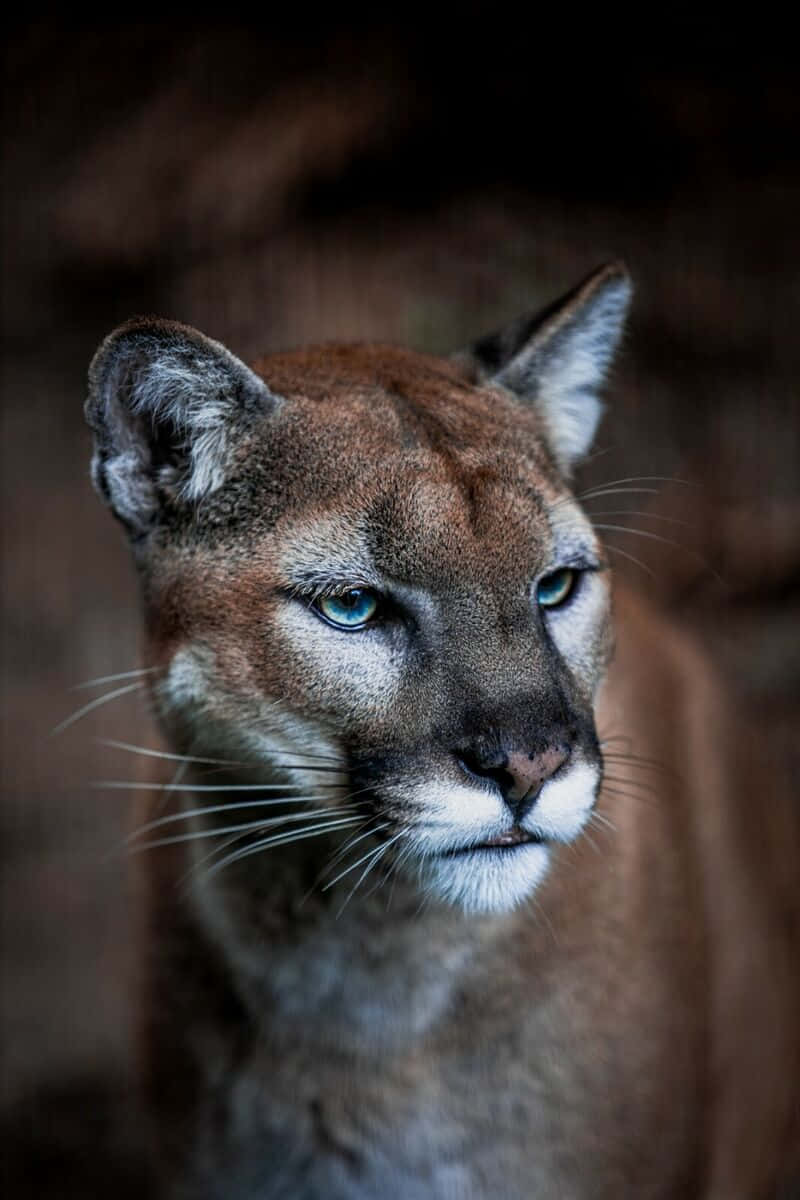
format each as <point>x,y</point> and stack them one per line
<point>598,1044</point>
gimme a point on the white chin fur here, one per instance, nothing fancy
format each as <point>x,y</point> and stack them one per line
<point>496,880</point>
<point>487,881</point>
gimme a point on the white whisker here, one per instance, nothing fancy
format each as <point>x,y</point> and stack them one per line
<point>636,783</point>
<point>635,479</point>
<point>374,858</point>
<point>394,870</point>
<point>237,837</point>
<point>645,533</point>
<point>383,877</point>
<point>582,497</point>
<point>636,512</point>
<point>147,752</point>
<point>586,837</point>
<point>137,786</point>
<point>657,537</point>
<point>215,808</point>
<point>348,846</point>
<point>641,763</point>
<point>282,839</point>
<point>201,834</point>
<point>87,708</point>
<point>198,863</point>
<point>90,683</point>
<point>612,791</point>
<point>358,862</point>
<point>627,491</point>
<point>172,787</point>
<point>600,819</point>
<point>632,557</point>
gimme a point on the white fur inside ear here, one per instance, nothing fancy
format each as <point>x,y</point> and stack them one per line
<point>573,368</point>
<point>195,398</point>
<point>563,367</point>
<point>570,417</point>
<point>166,405</point>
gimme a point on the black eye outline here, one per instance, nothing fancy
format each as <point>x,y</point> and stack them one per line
<point>563,596</point>
<point>318,603</point>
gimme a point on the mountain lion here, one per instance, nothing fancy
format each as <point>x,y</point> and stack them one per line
<point>386,956</point>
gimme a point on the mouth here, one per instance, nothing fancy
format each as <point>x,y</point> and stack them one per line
<point>506,842</point>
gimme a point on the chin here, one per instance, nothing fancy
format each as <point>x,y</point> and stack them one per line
<point>486,881</point>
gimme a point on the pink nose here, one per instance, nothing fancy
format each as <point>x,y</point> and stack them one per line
<point>519,776</point>
<point>530,771</point>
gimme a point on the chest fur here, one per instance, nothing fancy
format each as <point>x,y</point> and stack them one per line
<point>460,1063</point>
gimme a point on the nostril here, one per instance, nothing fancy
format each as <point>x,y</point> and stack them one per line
<point>519,775</point>
<point>487,768</point>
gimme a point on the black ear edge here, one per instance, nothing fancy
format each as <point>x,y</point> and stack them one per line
<point>579,299</point>
<point>490,355</point>
<point>142,333</point>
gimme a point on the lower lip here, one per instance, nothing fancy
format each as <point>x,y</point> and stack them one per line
<point>493,847</point>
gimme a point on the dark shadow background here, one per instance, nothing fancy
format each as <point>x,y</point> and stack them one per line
<point>417,179</point>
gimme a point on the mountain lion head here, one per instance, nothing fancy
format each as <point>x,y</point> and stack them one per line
<point>363,570</point>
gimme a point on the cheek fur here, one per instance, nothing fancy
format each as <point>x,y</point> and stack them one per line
<point>357,675</point>
<point>565,803</point>
<point>579,629</point>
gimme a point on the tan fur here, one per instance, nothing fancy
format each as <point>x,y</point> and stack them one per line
<point>624,1025</point>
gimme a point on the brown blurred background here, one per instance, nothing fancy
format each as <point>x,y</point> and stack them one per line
<point>416,179</point>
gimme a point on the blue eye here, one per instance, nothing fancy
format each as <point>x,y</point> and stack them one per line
<point>348,610</point>
<point>554,589</point>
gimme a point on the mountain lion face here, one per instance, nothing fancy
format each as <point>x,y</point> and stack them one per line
<point>369,559</point>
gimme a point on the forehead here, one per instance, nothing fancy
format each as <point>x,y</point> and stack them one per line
<point>353,408</point>
<point>399,462</point>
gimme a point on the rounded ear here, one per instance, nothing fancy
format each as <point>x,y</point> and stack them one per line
<point>557,360</point>
<point>165,405</point>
